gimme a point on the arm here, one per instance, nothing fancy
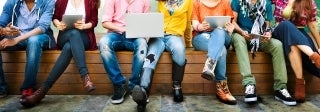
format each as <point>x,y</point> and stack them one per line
<point>91,17</point>
<point>43,24</point>
<point>108,12</point>
<point>187,32</point>
<point>314,31</point>
<point>237,27</point>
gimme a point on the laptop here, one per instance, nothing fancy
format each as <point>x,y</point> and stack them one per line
<point>146,25</point>
<point>217,21</point>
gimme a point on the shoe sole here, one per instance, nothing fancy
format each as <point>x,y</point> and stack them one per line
<point>286,102</point>
<point>227,102</point>
<point>120,100</point>
<point>207,76</point>
<point>138,95</point>
<point>249,100</point>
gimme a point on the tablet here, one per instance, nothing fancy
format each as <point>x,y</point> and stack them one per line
<point>217,21</point>
<point>256,35</point>
<point>69,20</point>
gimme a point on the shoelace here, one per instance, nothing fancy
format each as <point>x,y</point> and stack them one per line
<point>249,89</point>
<point>285,93</point>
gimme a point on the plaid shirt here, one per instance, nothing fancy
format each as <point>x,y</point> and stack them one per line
<point>281,4</point>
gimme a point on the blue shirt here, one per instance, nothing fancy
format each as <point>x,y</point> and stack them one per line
<point>27,19</point>
<point>244,22</point>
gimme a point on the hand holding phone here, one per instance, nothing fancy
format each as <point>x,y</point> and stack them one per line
<point>11,30</point>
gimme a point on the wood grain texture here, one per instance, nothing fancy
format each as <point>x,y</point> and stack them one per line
<point>70,81</point>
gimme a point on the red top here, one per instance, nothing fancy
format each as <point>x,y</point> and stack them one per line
<point>91,9</point>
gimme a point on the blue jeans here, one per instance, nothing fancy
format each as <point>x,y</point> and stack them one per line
<point>218,41</point>
<point>34,46</point>
<point>112,42</point>
<point>173,44</point>
<point>73,43</point>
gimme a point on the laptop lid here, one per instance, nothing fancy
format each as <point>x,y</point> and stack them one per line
<point>144,25</point>
<point>217,21</point>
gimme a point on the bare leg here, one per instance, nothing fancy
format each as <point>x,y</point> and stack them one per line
<point>296,61</point>
<point>305,49</point>
<point>296,64</point>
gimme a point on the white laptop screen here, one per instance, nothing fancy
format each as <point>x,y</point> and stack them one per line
<point>144,25</point>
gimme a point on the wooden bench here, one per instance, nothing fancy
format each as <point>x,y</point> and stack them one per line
<point>70,82</point>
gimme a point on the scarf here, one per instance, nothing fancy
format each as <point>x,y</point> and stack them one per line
<point>256,12</point>
<point>173,4</point>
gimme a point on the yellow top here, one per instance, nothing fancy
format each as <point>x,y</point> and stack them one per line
<point>179,23</point>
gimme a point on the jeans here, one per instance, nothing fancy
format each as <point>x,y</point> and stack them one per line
<point>218,41</point>
<point>273,47</point>
<point>112,42</point>
<point>171,43</point>
<point>34,46</point>
<point>73,43</point>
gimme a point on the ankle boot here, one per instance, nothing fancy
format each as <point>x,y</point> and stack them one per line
<point>223,93</point>
<point>87,84</point>
<point>30,101</point>
<point>177,76</point>
<point>140,93</point>
<point>208,69</point>
<point>299,93</point>
<point>177,91</point>
<point>315,57</point>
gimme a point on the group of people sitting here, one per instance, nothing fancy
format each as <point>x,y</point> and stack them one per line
<point>25,24</point>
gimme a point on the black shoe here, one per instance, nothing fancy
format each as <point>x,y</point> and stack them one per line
<point>3,94</point>
<point>284,96</point>
<point>119,93</point>
<point>177,92</point>
<point>139,95</point>
<point>251,95</point>
<point>141,107</point>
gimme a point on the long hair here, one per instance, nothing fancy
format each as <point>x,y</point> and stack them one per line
<point>301,9</point>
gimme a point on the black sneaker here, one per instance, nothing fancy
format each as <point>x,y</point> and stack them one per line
<point>119,93</point>
<point>251,95</point>
<point>139,95</point>
<point>284,96</point>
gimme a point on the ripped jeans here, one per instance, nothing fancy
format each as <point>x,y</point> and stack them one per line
<point>171,43</point>
<point>112,42</point>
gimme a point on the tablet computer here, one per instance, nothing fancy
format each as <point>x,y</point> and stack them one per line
<point>217,21</point>
<point>69,20</point>
<point>257,35</point>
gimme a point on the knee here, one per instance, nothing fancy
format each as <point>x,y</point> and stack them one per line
<point>277,44</point>
<point>34,42</point>
<point>141,44</point>
<point>66,47</point>
<point>74,32</point>
<point>238,39</point>
<point>104,44</point>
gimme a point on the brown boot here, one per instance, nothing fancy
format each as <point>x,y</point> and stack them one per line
<point>223,93</point>
<point>299,93</point>
<point>87,84</point>
<point>32,100</point>
<point>315,57</point>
